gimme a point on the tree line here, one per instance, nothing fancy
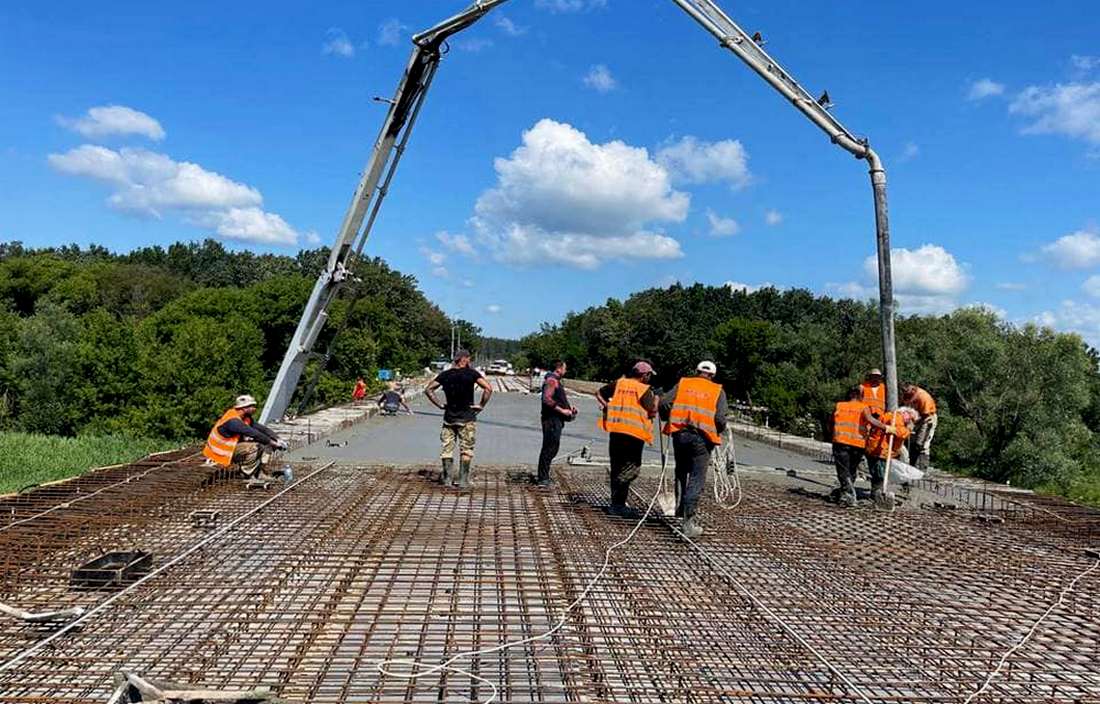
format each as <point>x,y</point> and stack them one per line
<point>157,342</point>
<point>1016,403</point>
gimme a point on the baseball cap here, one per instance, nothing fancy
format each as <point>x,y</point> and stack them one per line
<point>643,368</point>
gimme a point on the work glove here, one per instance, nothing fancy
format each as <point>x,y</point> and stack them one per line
<point>280,445</point>
<point>890,430</point>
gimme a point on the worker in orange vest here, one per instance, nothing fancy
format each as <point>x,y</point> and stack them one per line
<point>920,444</point>
<point>237,439</point>
<point>849,444</point>
<point>874,391</point>
<point>695,414</point>
<point>881,427</point>
<point>629,406</point>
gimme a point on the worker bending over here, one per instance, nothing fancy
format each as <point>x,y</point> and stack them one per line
<point>556,412</point>
<point>459,416</point>
<point>629,406</point>
<point>886,434</point>
<point>920,444</point>
<point>849,443</point>
<point>392,401</point>
<point>237,439</point>
<point>695,414</point>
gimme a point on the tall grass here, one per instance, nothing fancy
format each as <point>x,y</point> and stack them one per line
<point>26,460</point>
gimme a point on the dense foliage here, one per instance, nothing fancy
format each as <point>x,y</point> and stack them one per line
<point>1016,403</point>
<point>157,342</point>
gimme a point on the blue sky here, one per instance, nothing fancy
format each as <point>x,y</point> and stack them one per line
<point>573,150</point>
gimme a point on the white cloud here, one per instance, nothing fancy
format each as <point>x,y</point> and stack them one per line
<point>391,31</point>
<point>312,238</point>
<point>467,283</point>
<point>599,78</point>
<point>434,257</point>
<point>1079,250</point>
<point>692,161</point>
<point>249,225</point>
<point>720,226</point>
<point>1071,110</point>
<point>108,120</point>
<point>558,6</point>
<point>150,183</point>
<point>1011,286</point>
<point>492,309</point>
<point>473,44</point>
<point>747,288</point>
<point>337,43</point>
<point>561,198</point>
<point>926,280</point>
<point>506,25</point>
<point>985,88</point>
<point>440,272</point>
<point>773,218</point>
<point>910,152</point>
<point>1073,316</point>
<point>1085,64</point>
<point>456,243</point>
<point>1092,286</point>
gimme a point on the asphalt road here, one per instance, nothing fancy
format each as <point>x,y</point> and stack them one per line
<point>508,433</point>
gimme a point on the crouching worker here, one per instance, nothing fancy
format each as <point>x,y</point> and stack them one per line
<point>237,440</point>
<point>695,414</point>
<point>886,436</point>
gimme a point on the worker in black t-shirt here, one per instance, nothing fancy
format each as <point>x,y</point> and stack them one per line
<point>459,415</point>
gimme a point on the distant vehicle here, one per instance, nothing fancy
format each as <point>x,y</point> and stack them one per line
<point>500,367</point>
<point>441,365</point>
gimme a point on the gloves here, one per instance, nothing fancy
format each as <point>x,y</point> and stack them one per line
<point>280,445</point>
<point>890,430</point>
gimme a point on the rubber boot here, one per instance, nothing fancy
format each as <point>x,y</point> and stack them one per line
<point>448,471</point>
<point>878,495</point>
<point>463,475</point>
<point>691,528</point>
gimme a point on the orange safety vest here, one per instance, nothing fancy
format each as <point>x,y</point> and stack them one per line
<point>695,404</point>
<point>625,413</point>
<point>877,440</point>
<point>848,426</point>
<point>874,396</point>
<point>219,448</point>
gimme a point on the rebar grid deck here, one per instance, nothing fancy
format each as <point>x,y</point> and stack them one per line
<point>357,566</point>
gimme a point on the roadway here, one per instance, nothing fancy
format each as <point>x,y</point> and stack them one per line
<point>508,433</point>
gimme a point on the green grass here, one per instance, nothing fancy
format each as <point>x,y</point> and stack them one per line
<point>27,459</point>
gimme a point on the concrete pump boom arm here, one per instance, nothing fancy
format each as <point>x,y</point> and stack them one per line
<point>397,127</point>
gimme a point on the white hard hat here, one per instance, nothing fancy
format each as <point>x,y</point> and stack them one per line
<point>708,367</point>
<point>243,401</point>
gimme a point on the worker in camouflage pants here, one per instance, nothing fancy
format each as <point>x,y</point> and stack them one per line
<point>459,416</point>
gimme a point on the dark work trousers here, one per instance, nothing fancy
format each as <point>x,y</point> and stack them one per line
<point>847,459</point>
<point>625,454</point>
<point>692,452</point>
<point>551,441</point>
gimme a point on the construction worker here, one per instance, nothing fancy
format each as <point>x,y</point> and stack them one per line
<point>886,434</point>
<point>629,406</point>
<point>459,416</point>
<point>391,401</point>
<point>849,444</point>
<point>920,444</point>
<point>556,412</point>
<point>874,391</point>
<point>360,390</point>
<point>695,414</point>
<point>237,439</point>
